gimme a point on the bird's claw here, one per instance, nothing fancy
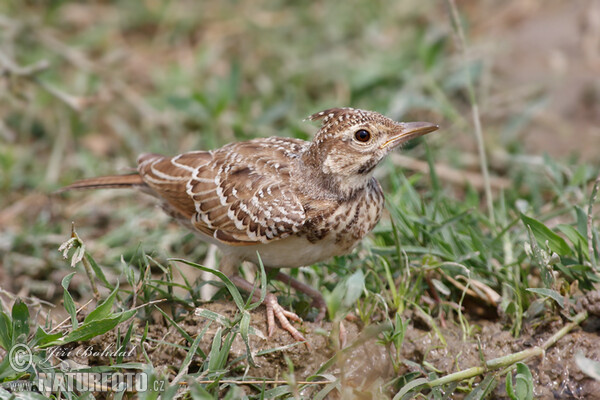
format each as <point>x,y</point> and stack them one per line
<point>283,316</point>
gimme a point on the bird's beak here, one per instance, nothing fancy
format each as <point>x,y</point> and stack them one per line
<point>407,131</point>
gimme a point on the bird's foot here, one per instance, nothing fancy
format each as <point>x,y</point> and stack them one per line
<point>317,298</point>
<point>283,316</point>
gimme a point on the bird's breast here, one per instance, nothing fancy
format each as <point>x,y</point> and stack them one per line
<point>329,231</point>
<point>347,222</point>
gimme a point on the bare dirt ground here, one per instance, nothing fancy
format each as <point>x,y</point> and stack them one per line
<point>365,365</point>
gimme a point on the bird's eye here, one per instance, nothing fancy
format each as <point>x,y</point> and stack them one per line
<point>362,136</point>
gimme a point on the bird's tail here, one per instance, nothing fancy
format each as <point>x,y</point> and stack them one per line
<point>106,182</point>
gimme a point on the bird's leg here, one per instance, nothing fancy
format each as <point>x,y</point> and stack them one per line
<point>317,298</point>
<point>273,309</point>
<point>228,266</point>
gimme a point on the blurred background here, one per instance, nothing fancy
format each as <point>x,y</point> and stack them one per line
<point>87,86</point>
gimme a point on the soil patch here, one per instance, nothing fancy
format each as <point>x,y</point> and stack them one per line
<point>365,364</point>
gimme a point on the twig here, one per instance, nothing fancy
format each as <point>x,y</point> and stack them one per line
<point>79,60</point>
<point>13,68</point>
<point>69,318</point>
<point>31,73</point>
<point>90,300</point>
<point>260,382</point>
<point>74,102</point>
<point>34,300</point>
<point>148,304</point>
<point>510,359</point>
<point>449,174</point>
<point>89,272</point>
<point>73,56</point>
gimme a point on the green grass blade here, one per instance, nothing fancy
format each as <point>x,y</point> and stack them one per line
<point>235,293</point>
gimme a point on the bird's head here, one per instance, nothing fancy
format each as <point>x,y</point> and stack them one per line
<point>351,142</point>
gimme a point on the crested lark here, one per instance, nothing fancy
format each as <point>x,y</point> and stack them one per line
<point>294,202</point>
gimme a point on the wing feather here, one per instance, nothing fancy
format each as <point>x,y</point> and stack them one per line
<point>240,194</point>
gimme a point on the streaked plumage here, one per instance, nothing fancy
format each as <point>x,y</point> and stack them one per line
<point>293,201</point>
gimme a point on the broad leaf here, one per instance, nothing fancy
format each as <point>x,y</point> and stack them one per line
<point>544,234</point>
<point>103,309</point>
<point>68,300</point>
<point>553,294</point>
<point>20,322</point>
<point>92,329</point>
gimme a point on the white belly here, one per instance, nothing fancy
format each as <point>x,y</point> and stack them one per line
<point>291,252</point>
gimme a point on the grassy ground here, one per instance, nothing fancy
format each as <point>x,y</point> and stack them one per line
<point>87,87</point>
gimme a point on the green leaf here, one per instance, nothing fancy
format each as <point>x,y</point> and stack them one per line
<point>199,393</point>
<point>42,337</point>
<point>579,176</point>
<point>68,300</point>
<point>416,384</point>
<point>214,316</point>
<point>324,393</point>
<point>574,237</point>
<point>190,355</point>
<point>334,300</point>
<point>263,285</point>
<point>244,327</point>
<point>544,234</point>
<point>213,355</point>
<point>278,392</point>
<point>510,389</point>
<point>581,221</point>
<point>524,383</point>
<point>553,294</point>
<point>124,344</point>
<point>399,331</point>
<point>91,329</point>
<point>174,324</point>
<point>523,387</point>
<point>98,271</point>
<point>103,310</point>
<point>94,328</point>
<point>20,322</point>
<point>225,350</point>
<point>5,331</point>
<point>6,371</point>
<point>234,393</point>
<point>125,315</point>
<point>589,367</point>
<point>541,259</point>
<point>355,287</point>
<point>441,287</point>
<point>181,331</point>
<point>483,389</point>
<point>345,294</point>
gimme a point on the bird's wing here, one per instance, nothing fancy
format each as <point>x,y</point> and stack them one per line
<point>239,194</point>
